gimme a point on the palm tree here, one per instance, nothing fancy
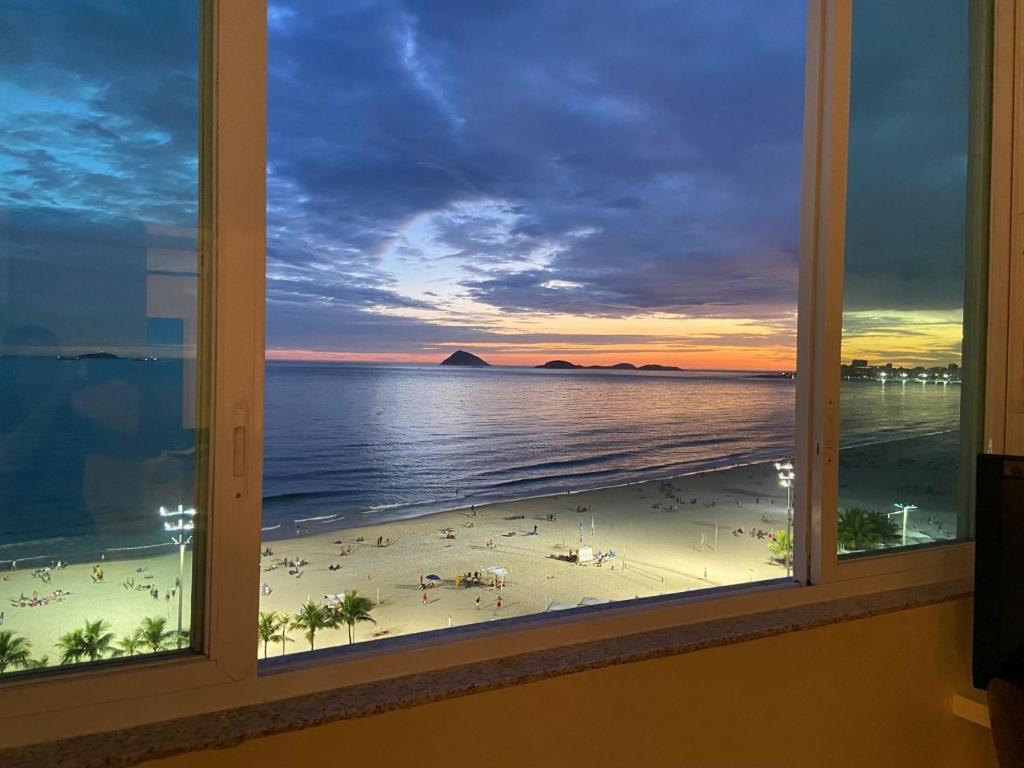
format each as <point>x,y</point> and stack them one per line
<point>781,547</point>
<point>14,651</point>
<point>862,529</point>
<point>42,661</point>
<point>267,628</point>
<point>129,644</point>
<point>71,646</point>
<point>311,618</point>
<point>281,632</point>
<point>352,609</point>
<point>87,643</point>
<point>98,638</point>
<point>154,633</point>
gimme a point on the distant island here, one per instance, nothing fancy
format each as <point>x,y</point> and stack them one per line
<point>462,358</point>
<point>566,365</point>
<point>90,356</point>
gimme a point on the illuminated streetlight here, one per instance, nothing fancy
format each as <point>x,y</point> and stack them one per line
<point>786,478</point>
<point>180,523</point>
<point>905,510</point>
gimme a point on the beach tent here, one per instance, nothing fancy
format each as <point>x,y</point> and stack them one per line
<point>586,554</point>
<point>500,574</point>
<point>594,601</point>
<point>433,577</point>
<point>554,606</point>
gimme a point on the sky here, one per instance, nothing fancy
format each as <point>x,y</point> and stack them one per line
<point>594,181</point>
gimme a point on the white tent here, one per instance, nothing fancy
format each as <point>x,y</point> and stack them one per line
<point>586,553</point>
<point>555,606</point>
<point>500,574</point>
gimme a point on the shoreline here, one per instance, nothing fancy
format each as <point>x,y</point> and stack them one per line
<point>367,521</point>
<point>695,531</point>
<point>364,518</point>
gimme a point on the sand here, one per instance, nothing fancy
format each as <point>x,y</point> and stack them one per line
<point>657,541</point>
<point>667,537</point>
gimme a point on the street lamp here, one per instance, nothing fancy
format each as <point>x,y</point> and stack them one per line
<point>179,524</point>
<point>786,478</point>
<point>905,510</point>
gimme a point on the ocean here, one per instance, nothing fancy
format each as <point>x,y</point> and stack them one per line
<point>90,449</point>
<point>347,444</point>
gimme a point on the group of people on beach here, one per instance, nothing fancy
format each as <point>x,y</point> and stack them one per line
<point>24,601</point>
<point>757,533</point>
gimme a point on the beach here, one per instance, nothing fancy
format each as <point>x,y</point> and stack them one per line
<point>690,532</point>
<point>666,537</point>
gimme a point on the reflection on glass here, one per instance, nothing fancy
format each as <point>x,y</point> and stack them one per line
<point>531,309</point>
<point>98,330</point>
<point>900,480</point>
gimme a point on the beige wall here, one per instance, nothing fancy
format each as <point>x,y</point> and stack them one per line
<point>867,693</point>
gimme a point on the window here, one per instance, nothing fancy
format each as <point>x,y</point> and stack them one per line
<point>908,437</point>
<point>531,310</point>
<point>316,285</point>
<point>101,348</point>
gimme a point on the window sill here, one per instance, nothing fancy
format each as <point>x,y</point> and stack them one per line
<point>232,726</point>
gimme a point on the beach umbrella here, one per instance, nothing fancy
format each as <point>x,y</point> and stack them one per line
<point>497,570</point>
<point>433,577</point>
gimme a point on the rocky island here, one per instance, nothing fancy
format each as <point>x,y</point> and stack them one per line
<point>566,365</point>
<point>459,357</point>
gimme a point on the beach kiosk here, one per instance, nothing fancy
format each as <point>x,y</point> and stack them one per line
<point>586,554</point>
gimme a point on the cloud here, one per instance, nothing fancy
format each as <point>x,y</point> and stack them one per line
<point>442,171</point>
<point>101,109</point>
<point>535,158</point>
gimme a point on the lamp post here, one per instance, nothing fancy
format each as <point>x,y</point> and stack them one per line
<point>178,526</point>
<point>786,478</point>
<point>905,510</point>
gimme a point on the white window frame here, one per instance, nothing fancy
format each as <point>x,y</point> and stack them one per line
<point>94,699</point>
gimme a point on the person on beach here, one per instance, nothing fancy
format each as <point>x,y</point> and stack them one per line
<point>478,602</point>
<point>499,602</point>
<point>424,596</point>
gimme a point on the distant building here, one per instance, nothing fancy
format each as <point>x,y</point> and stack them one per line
<point>859,364</point>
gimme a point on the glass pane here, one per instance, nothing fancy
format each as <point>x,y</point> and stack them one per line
<point>601,201</point>
<point>99,155</point>
<point>905,451</point>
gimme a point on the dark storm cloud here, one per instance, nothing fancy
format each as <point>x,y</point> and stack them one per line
<point>907,156</point>
<point>647,154</point>
<point>100,107</point>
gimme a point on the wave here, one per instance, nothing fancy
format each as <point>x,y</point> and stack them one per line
<point>298,495</point>
<point>27,559</point>
<point>396,505</point>
<point>270,527</point>
<point>132,549</point>
<point>316,519</point>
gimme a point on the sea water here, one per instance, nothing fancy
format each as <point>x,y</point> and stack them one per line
<point>91,449</point>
